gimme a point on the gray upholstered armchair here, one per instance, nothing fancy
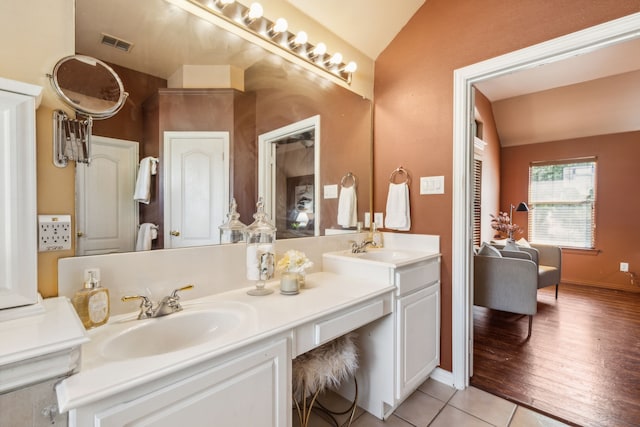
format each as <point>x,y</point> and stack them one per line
<point>509,280</point>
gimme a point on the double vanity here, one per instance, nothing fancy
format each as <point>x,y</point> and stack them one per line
<point>226,357</point>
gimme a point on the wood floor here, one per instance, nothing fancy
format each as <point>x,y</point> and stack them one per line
<point>581,364</point>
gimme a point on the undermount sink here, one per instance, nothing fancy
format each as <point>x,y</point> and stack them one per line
<point>195,325</point>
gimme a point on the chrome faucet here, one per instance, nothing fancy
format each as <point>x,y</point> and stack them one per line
<point>169,304</point>
<point>358,248</point>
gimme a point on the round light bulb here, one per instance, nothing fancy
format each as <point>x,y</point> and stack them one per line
<point>280,26</point>
<point>336,59</point>
<point>255,11</point>
<point>301,38</point>
<point>351,67</point>
<point>320,49</point>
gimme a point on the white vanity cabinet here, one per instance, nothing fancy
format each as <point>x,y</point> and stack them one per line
<point>393,372</point>
<point>244,388</point>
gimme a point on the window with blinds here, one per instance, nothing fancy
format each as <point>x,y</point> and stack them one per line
<point>477,199</point>
<point>562,198</point>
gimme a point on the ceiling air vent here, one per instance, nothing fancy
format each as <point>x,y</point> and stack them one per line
<point>117,43</point>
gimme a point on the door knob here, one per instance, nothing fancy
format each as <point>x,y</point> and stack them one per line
<point>175,233</point>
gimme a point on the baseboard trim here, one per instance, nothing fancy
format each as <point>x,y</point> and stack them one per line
<point>442,376</point>
<point>602,285</point>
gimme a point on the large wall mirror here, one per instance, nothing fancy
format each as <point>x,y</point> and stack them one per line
<point>184,74</point>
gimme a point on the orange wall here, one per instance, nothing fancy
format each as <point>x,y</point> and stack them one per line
<point>414,95</point>
<point>617,204</point>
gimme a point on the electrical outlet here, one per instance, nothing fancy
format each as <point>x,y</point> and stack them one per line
<point>624,267</point>
<point>331,191</point>
<point>54,232</point>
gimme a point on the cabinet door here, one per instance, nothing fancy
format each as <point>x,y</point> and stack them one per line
<point>251,390</point>
<point>18,251</point>
<point>419,339</point>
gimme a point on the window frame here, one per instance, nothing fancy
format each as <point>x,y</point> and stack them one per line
<point>594,208</point>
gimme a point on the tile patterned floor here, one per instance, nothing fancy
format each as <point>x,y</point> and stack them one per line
<point>437,405</point>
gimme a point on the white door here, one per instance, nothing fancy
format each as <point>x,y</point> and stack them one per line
<point>106,214</point>
<point>196,187</point>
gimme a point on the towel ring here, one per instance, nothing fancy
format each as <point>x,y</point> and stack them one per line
<point>400,171</point>
<point>345,180</point>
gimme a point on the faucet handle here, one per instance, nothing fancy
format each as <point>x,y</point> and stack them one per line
<point>175,295</point>
<point>146,306</point>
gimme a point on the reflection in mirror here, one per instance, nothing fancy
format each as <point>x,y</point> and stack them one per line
<point>288,177</point>
<point>274,94</point>
<point>89,86</point>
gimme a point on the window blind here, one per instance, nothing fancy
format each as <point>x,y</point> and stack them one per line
<point>562,201</point>
<point>477,200</point>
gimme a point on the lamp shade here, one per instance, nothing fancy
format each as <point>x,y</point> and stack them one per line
<point>522,207</point>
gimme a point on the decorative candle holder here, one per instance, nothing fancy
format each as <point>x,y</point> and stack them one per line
<point>289,284</point>
<point>233,230</point>
<point>260,236</point>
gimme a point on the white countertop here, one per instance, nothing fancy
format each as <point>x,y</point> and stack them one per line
<point>56,328</point>
<point>325,293</point>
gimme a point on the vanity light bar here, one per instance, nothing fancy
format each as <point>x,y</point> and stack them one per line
<point>277,33</point>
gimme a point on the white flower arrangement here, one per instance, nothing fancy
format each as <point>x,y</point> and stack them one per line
<point>294,261</point>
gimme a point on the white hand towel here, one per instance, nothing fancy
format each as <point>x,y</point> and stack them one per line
<point>347,207</point>
<point>146,234</point>
<point>148,167</point>
<point>398,210</point>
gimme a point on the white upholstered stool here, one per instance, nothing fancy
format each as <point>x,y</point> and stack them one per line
<point>322,368</point>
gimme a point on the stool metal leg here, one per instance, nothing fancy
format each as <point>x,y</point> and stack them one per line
<point>304,410</point>
<point>352,408</point>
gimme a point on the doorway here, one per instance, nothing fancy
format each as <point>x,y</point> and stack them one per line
<point>289,177</point>
<point>572,45</point>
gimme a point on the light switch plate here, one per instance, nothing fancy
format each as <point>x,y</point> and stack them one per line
<point>331,191</point>
<point>432,185</point>
<point>54,232</point>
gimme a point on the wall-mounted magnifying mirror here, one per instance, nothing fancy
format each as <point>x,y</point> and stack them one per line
<point>93,90</point>
<point>89,86</point>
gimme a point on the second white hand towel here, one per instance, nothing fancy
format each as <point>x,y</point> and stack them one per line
<point>147,168</point>
<point>146,234</point>
<point>347,207</point>
<point>398,209</point>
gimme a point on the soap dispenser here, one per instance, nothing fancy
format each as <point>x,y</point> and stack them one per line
<point>92,303</point>
<point>376,236</point>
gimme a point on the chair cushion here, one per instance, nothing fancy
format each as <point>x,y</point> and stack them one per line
<point>488,250</point>
<point>325,366</point>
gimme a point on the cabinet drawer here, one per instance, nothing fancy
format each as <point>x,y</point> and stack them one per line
<point>332,328</point>
<point>411,278</point>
